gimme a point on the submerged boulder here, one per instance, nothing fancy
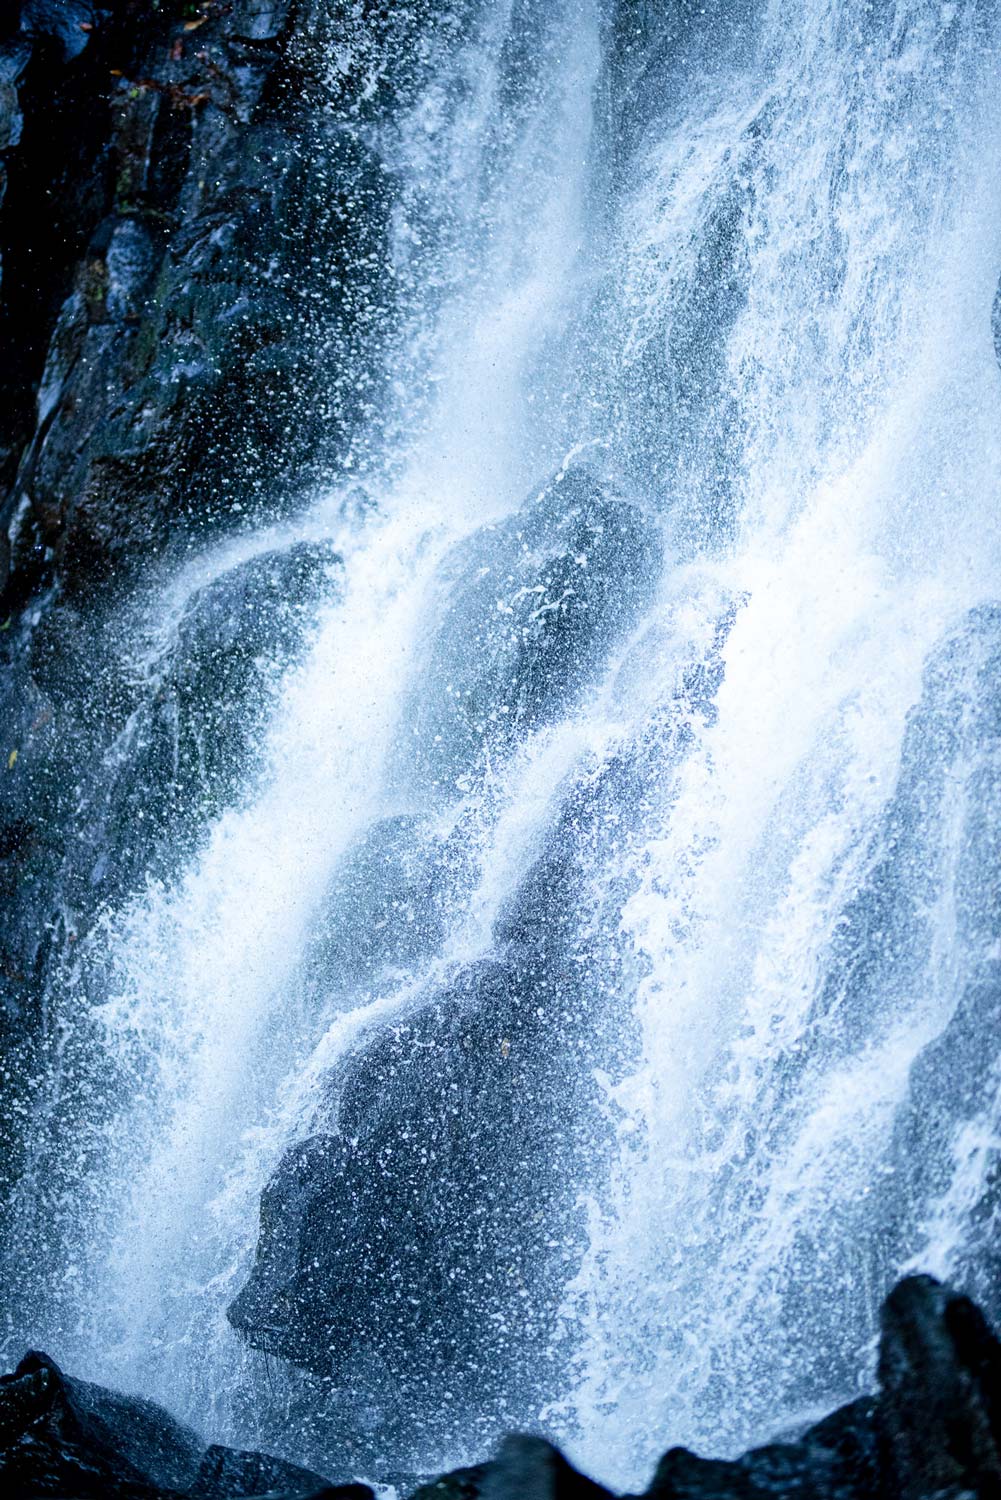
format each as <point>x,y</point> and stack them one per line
<point>236,637</point>
<point>385,909</point>
<point>527,611</point>
<point>194,741</point>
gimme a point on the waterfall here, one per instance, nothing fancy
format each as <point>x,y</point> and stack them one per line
<point>725,272</point>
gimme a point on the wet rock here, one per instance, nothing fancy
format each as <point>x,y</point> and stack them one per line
<point>850,1436</point>
<point>426,1230</point>
<point>195,281</point>
<point>224,1472</point>
<point>838,1459</point>
<point>106,778</point>
<point>461,1484</point>
<point>529,609</point>
<point>211,200</point>
<point>23,1400</point>
<point>13,60</point>
<point>175,206</point>
<point>131,760</point>
<point>62,1436</point>
<point>931,1432</point>
<point>413,1239</point>
<point>86,1440</point>
<point>939,1415</point>
<point>66,22</point>
<point>386,906</point>
<point>236,637</point>
<point>189,746</point>
<point>534,1470</point>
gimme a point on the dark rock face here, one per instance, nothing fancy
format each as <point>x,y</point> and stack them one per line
<point>415,1239</point>
<point>932,1432</point>
<point>939,1416</point>
<point>199,329</point>
<point>532,1468</point>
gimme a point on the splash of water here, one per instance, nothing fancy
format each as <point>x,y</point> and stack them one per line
<point>219,1052</point>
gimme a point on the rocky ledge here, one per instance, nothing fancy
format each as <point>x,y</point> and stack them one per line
<point>933,1429</point>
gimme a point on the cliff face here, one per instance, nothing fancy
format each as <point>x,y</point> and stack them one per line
<point>166,321</point>
<point>195,277</point>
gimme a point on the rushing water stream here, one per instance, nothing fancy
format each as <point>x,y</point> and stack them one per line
<point>732,264</point>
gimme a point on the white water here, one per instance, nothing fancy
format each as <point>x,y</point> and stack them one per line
<point>869,473</point>
<point>734,1265</point>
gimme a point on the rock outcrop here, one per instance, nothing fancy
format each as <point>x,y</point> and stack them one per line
<point>409,1249</point>
<point>527,611</point>
<point>411,1235</point>
<point>932,1431</point>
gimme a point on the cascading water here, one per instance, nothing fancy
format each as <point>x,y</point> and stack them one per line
<point>765,1196</point>
<point>694,756</point>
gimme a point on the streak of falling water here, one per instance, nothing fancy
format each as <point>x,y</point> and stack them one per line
<point>732,1283</point>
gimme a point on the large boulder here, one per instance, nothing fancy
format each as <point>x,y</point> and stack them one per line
<point>416,1248</point>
